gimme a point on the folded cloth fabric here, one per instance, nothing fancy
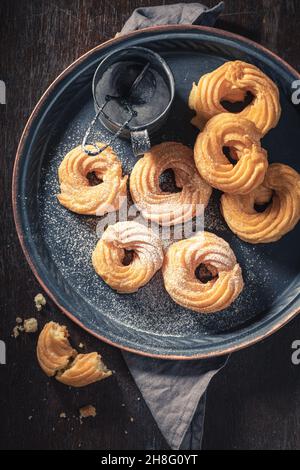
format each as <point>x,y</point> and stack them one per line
<point>179,13</point>
<point>174,391</point>
<point>175,394</point>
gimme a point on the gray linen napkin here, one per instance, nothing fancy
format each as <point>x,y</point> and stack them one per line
<point>175,394</point>
<point>179,13</point>
<point>175,391</point>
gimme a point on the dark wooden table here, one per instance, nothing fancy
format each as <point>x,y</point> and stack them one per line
<point>254,403</point>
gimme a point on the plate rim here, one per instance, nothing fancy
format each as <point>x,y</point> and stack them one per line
<point>15,178</point>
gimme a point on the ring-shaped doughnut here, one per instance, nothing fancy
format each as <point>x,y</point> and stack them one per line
<point>231,82</point>
<point>243,140</point>
<point>282,186</point>
<point>76,193</point>
<point>109,254</point>
<point>180,263</point>
<point>167,208</point>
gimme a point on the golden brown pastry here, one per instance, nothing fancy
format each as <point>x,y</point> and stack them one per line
<point>57,358</point>
<point>168,208</point>
<point>282,189</point>
<point>214,254</point>
<point>243,140</point>
<point>230,82</point>
<point>109,254</point>
<point>76,192</point>
<point>54,351</point>
<point>84,370</point>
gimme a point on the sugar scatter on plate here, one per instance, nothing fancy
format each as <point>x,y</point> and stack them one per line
<point>71,238</point>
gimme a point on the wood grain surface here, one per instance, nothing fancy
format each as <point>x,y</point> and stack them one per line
<point>254,403</point>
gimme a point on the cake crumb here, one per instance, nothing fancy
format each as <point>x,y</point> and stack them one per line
<point>87,411</point>
<point>81,345</point>
<point>39,301</point>
<point>131,419</point>
<point>17,330</point>
<point>30,325</point>
<point>19,320</point>
<point>30,418</point>
<point>125,432</point>
<point>63,415</point>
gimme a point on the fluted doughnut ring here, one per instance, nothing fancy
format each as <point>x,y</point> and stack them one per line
<point>231,82</point>
<point>243,140</point>
<point>109,254</point>
<point>282,187</point>
<point>167,208</point>
<point>76,193</point>
<point>181,262</point>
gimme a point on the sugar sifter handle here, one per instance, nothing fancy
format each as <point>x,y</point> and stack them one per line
<point>140,142</point>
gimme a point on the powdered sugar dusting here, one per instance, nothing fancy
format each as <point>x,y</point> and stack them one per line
<point>71,238</point>
<point>131,235</point>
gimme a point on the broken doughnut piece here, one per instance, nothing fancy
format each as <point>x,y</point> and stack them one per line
<point>54,351</point>
<point>58,359</point>
<point>84,370</point>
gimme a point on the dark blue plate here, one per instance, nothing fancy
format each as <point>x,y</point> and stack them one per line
<point>58,244</point>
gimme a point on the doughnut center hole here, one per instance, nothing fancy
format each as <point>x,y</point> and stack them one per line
<point>229,153</point>
<point>167,182</point>
<point>128,257</point>
<point>206,273</point>
<point>262,206</point>
<point>238,106</point>
<point>93,179</point>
